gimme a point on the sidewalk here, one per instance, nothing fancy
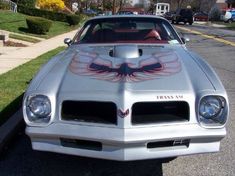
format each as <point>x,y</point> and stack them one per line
<point>206,23</point>
<point>11,57</point>
<point>23,35</point>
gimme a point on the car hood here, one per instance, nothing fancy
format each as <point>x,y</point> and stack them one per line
<point>133,68</point>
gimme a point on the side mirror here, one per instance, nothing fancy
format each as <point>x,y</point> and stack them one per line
<point>67,41</point>
<point>185,39</point>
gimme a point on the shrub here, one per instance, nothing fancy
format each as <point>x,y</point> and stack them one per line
<point>54,5</point>
<point>38,25</point>
<point>73,19</point>
<point>215,13</point>
<point>55,16</point>
<point>83,16</point>
<point>28,3</point>
<point>4,6</point>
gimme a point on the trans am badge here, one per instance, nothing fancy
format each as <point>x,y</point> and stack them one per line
<point>153,67</point>
<point>122,113</point>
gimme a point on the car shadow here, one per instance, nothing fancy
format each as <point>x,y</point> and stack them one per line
<point>29,162</point>
<point>27,31</point>
<point>23,29</point>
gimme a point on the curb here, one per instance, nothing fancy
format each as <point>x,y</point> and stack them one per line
<point>10,128</point>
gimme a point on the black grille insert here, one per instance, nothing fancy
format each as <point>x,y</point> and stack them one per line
<point>159,112</point>
<point>82,144</point>
<point>89,111</point>
<point>161,144</point>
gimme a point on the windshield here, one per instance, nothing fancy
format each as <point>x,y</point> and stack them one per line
<point>127,30</point>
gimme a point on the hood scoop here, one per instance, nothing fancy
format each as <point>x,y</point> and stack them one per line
<point>126,52</point>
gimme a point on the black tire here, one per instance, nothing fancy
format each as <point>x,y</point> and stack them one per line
<point>190,23</point>
<point>172,22</point>
<point>167,160</point>
<point>230,21</point>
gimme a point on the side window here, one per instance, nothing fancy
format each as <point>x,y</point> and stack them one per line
<point>108,25</point>
<point>182,12</point>
<point>169,35</point>
<point>141,25</point>
<point>233,14</point>
<point>96,28</point>
<point>178,11</point>
<point>83,34</point>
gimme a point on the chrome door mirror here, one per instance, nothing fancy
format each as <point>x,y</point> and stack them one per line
<point>68,41</point>
<point>185,39</point>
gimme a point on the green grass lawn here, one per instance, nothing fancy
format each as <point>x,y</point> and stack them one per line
<point>230,26</point>
<point>14,83</point>
<point>15,22</point>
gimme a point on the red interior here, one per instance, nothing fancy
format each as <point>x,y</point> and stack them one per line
<point>127,36</point>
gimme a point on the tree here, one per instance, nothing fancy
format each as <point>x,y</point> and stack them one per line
<point>29,3</point>
<point>107,5</point>
<point>54,5</point>
<point>179,3</point>
<point>230,3</point>
<point>215,13</point>
<point>114,6</point>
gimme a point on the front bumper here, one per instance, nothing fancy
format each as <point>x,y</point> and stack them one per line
<point>126,144</point>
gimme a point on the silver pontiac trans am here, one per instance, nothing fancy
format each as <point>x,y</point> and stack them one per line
<point>126,88</point>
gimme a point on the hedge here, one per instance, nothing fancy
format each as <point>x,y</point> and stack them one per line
<point>4,6</point>
<point>82,16</point>
<point>38,25</point>
<point>73,19</point>
<point>55,16</point>
<point>28,3</point>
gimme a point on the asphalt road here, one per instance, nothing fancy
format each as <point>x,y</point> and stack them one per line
<point>222,59</point>
<point>19,159</point>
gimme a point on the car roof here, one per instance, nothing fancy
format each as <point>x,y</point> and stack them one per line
<point>127,16</point>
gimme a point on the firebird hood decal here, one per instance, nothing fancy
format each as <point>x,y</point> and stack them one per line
<point>155,66</point>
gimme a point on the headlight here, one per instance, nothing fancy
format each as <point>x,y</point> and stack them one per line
<point>213,111</point>
<point>210,107</point>
<point>38,108</point>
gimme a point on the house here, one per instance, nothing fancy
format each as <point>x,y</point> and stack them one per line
<point>143,3</point>
<point>222,4</point>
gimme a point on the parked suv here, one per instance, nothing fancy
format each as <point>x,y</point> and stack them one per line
<point>229,16</point>
<point>183,15</point>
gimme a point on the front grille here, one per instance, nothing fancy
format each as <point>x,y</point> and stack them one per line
<point>159,112</point>
<point>89,111</point>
